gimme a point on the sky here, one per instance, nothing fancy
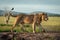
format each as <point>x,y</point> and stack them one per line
<point>28,6</point>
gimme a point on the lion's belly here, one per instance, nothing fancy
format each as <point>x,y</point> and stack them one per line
<point>28,20</point>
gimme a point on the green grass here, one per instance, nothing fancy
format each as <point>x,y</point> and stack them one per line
<point>53,24</point>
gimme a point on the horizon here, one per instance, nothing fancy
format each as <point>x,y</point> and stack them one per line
<point>50,6</point>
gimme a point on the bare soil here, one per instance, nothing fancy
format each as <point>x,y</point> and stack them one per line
<point>29,36</point>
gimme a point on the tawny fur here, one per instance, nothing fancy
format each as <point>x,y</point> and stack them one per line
<point>34,19</point>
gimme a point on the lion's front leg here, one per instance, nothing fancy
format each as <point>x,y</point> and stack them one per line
<point>33,27</point>
<point>40,27</point>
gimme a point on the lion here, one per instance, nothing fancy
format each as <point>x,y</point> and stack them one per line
<point>33,19</point>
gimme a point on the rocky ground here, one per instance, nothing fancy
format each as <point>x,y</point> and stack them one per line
<point>29,36</point>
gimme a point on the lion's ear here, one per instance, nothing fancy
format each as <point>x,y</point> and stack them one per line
<point>42,13</point>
